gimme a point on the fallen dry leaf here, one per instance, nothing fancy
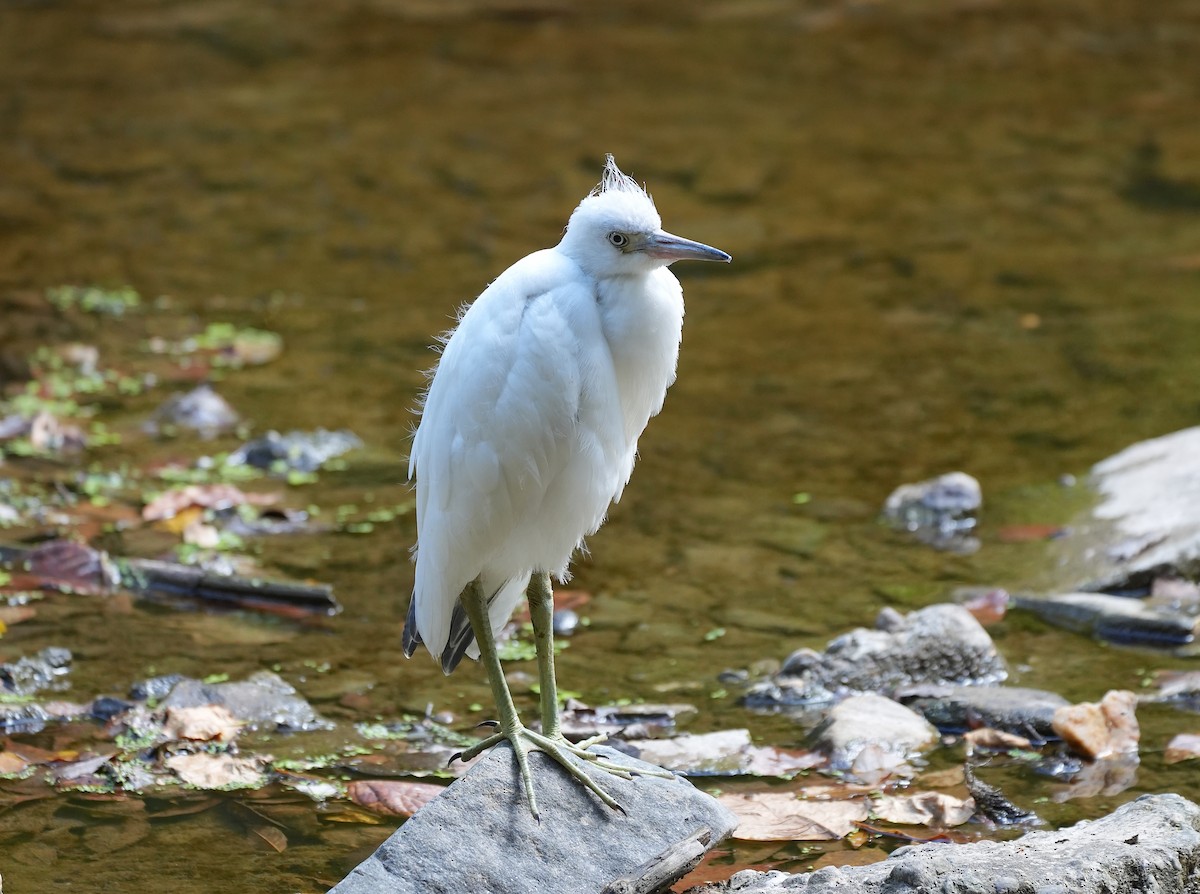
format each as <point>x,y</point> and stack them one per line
<point>725,752</point>
<point>31,754</point>
<point>272,836</point>
<point>72,566</point>
<point>205,496</point>
<point>48,434</point>
<point>875,763</point>
<point>924,809</point>
<point>1183,747</point>
<point>202,723</point>
<point>392,797</point>
<point>15,614</point>
<point>988,606</point>
<point>197,533</point>
<point>12,763</point>
<point>767,760</point>
<point>995,739</point>
<point>780,816</point>
<point>209,771</point>
<point>1097,730</point>
<point>1029,533</point>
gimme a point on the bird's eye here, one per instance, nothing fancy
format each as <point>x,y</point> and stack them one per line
<point>620,240</point>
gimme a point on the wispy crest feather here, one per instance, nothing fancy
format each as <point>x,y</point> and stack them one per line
<point>615,180</point>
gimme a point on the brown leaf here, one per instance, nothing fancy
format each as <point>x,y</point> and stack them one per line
<point>272,836</point>
<point>989,606</point>
<point>1102,729</point>
<point>1028,533</point>
<point>205,496</point>
<point>1184,746</point>
<point>202,723</point>
<point>392,797</point>
<point>924,809</point>
<point>48,434</point>
<point>780,816</point>
<point>74,566</point>
<point>10,762</point>
<point>31,754</point>
<point>725,752</point>
<point>210,771</point>
<point>995,739</point>
<point>767,760</point>
<point>15,614</point>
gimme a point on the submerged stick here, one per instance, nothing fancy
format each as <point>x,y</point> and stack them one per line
<point>65,564</point>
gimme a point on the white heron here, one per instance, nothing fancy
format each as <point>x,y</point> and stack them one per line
<point>529,432</point>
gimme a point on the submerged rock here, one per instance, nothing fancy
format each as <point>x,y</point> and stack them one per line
<point>201,410</point>
<point>479,835</point>
<point>31,674</point>
<point>298,451</point>
<point>954,709</point>
<point>263,698</point>
<point>1125,620</point>
<point>22,719</point>
<point>937,644</point>
<point>888,731</point>
<point>939,511</point>
<point>1149,846</point>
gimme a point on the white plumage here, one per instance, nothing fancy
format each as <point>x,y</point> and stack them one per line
<point>530,426</point>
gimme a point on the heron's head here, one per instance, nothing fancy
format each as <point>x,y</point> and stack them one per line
<point>616,231</point>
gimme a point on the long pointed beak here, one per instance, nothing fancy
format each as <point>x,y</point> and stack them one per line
<point>676,248</point>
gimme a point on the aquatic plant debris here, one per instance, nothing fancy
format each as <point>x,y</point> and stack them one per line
<point>113,302</point>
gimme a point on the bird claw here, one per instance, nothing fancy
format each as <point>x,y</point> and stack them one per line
<point>492,724</point>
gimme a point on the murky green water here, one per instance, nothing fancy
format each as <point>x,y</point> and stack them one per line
<point>952,248</point>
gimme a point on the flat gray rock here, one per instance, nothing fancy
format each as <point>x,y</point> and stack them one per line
<point>1147,521</point>
<point>871,720</point>
<point>937,644</point>
<point>1125,620</point>
<point>479,836</point>
<point>1148,846</point>
<point>1026,712</point>
<point>264,699</point>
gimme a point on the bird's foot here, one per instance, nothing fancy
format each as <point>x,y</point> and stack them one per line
<point>570,756</point>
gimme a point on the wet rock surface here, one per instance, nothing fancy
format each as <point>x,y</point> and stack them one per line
<point>938,644</point>
<point>1014,709</point>
<point>939,512</point>
<point>863,722</point>
<point>1124,620</point>
<point>264,699</point>
<point>479,835</point>
<point>201,410</point>
<point>1147,523</point>
<point>296,451</point>
<point>33,673</point>
<point>1149,845</point>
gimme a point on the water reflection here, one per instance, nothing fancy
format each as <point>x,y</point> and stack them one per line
<point>943,262</point>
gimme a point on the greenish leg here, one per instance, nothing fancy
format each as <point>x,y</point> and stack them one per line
<point>524,740</point>
<point>475,604</point>
<point>541,613</point>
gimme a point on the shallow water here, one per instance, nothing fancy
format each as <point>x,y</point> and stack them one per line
<point>965,237</point>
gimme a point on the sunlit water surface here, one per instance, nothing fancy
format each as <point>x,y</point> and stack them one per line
<point>963,239</point>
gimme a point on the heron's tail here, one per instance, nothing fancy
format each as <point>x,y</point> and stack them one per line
<point>504,597</point>
<point>412,636</point>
